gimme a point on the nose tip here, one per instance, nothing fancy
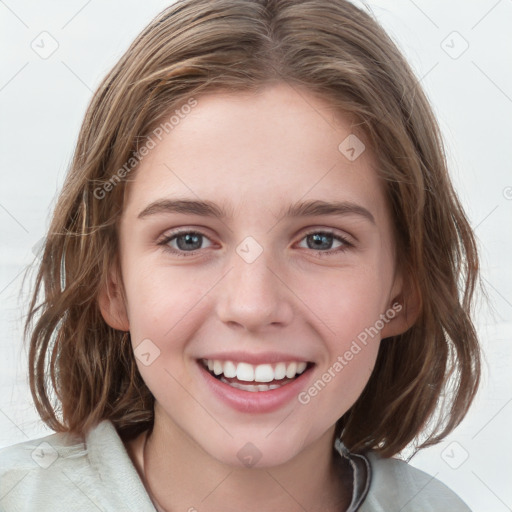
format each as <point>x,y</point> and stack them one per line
<point>253,297</point>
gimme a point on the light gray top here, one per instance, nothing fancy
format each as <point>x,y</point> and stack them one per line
<point>68,473</point>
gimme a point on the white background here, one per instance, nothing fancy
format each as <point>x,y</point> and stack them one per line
<point>42,103</point>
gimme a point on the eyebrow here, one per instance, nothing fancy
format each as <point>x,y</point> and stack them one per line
<point>300,209</point>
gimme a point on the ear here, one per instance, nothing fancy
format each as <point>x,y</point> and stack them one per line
<point>111,301</point>
<point>405,304</point>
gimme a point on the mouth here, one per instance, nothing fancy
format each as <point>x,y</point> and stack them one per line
<point>260,378</point>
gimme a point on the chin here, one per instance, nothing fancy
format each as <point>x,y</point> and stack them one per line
<point>257,451</point>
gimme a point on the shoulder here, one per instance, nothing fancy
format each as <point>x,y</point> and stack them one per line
<point>70,472</point>
<point>395,485</point>
<point>38,468</point>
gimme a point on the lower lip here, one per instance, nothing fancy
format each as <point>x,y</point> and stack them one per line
<point>257,401</point>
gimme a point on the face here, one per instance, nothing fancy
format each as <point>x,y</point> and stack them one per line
<point>257,260</point>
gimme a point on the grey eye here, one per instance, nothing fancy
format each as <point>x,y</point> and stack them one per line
<point>321,241</point>
<point>189,241</point>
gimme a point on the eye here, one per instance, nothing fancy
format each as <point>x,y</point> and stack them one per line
<point>185,241</point>
<point>325,241</point>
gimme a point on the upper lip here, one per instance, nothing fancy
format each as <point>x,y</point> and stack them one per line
<point>255,358</point>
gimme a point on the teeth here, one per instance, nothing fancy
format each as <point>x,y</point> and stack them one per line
<point>244,371</point>
<point>280,371</point>
<point>251,387</point>
<point>291,370</point>
<point>264,373</point>
<point>260,373</point>
<point>301,367</point>
<point>217,367</point>
<point>229,369</point>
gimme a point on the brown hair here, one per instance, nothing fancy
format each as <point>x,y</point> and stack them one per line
<point>83,371</point>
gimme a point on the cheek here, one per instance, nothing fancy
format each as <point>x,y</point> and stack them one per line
<point>347,309</point>
<point>163,300</point>
<point>345,302</point>
<point>166,307</point>
<point>352,343</point>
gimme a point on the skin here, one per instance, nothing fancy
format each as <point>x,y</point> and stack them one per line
<point>254,154</point>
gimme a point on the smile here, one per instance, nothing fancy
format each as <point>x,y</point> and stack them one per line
<point>255,378</point>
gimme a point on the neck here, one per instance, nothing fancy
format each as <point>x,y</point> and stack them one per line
<point>180,475</point>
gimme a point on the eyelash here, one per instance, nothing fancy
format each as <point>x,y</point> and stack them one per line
<point>321,253</point>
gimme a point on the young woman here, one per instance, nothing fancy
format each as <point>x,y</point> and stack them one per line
<point>257,282</point>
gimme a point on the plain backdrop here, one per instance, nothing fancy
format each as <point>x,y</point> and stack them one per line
<point>462,54</point>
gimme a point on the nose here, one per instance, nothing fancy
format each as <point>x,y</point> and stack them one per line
<point>253,296</point>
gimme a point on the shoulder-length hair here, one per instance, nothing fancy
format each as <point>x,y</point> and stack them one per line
<point>83,371</point>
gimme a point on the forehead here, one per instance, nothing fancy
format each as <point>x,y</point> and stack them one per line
<point>258,151</point>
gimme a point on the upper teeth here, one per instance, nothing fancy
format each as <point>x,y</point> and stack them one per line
<point>258,373</point>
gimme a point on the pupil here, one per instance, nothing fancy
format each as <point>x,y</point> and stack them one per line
<point>189,241</point>
<point>320,241</point>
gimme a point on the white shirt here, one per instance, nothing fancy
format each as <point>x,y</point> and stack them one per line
<point>61,472</point>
